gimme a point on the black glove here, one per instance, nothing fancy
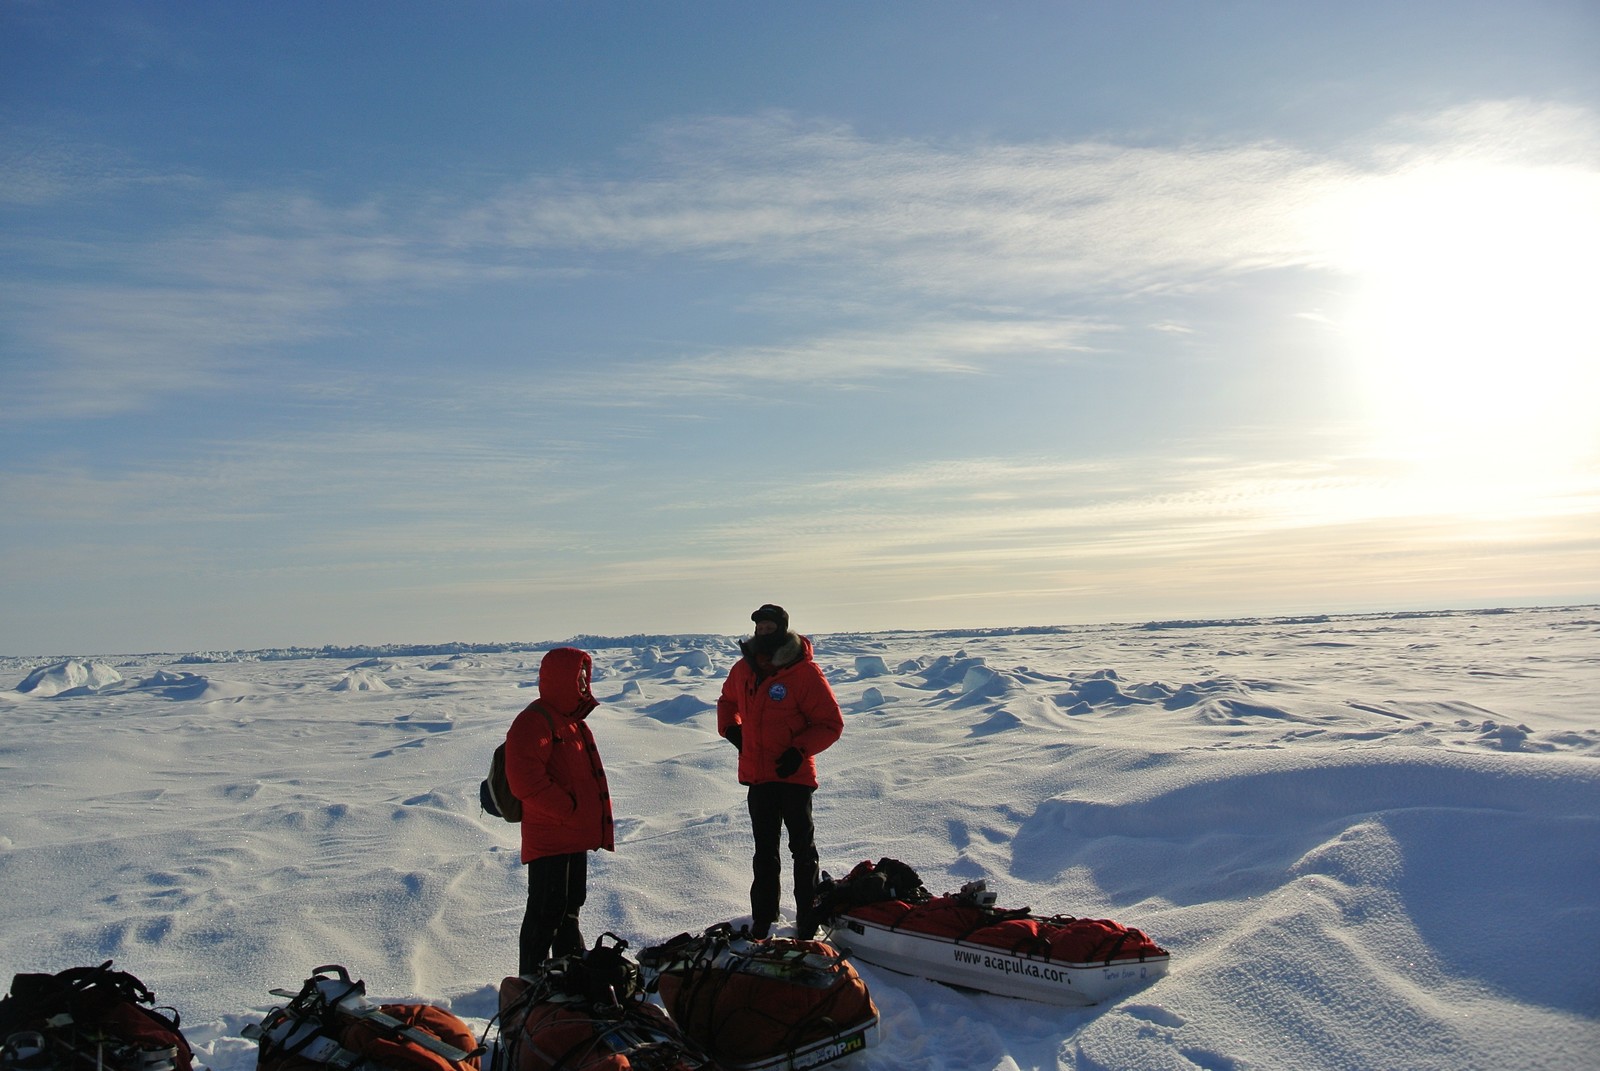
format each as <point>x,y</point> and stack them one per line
<point>736,737</point>
<point>789,762</point>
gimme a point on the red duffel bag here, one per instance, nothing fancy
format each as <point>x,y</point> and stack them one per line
<point>775,1003</point>
<point>589,1013</point>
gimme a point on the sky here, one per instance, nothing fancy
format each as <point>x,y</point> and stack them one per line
<point>419,322</point>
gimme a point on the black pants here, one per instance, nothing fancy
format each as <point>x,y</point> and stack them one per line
<point>557,887</point>
<point>775,806</point>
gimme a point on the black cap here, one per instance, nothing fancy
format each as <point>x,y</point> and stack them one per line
<point>776,614</point>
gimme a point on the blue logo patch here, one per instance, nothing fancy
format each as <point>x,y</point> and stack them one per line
<point>777,692</point>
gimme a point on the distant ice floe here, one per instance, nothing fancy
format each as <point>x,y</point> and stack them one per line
<point>456,662</point>
<point>71,677</point>
<point>651,662</point>
<point>75,677</point>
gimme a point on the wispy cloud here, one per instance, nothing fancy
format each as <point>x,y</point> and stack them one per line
<point>93,350</point>
<point>834,361</point>
<point>1069,543</point>
<point>117,324</point>
<point>144,318</point>
<point>1128,532</point>
<point>979,219</point>
<point>370,473</point>
<point>1020,510</point>
<point>41,165</point>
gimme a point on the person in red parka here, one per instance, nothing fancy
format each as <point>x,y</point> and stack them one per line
<point>777,708</point>
<point>554,768</point>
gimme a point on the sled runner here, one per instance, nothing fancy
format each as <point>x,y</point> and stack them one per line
<point>762,1004</point>
<point>330,1023</point>
<point>589,1013</point>
<point>88,1019</point>
<point>962,939</point>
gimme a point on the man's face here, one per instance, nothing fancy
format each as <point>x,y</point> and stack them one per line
<point>766,628</point>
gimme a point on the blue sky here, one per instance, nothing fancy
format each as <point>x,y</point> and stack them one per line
<point>414,322</point>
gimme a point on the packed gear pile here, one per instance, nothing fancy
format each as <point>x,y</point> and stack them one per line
<point>756,1004</point>
<point>88,1018</point>
<point>331,1025</point>
<point>588,1012</point>
<point>722,999</point>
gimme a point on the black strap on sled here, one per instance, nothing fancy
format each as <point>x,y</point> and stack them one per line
<point>312,1002</point>
<point>309,1005</point>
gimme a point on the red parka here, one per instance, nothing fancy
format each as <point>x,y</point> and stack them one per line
<point>553,766</point>
<point>779,704</point>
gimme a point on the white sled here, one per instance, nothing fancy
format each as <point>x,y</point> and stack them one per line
<point>992,970</point>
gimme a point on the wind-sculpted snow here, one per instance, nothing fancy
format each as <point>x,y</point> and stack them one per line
<point>71,677</point>
<point>1368,842</point>
<point>871,666</point>
<point>678,708</point>
<point>360,680</point>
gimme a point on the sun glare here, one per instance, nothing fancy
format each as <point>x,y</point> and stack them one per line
<point>1475,327</point>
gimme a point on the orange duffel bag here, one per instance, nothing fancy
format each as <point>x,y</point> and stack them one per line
<point>755,1004</point>
<point>588,1013</point>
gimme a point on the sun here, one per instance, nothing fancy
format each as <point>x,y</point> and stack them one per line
<point>1475,329</point>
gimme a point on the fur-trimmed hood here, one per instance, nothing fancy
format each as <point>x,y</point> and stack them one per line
<point>793,648</point>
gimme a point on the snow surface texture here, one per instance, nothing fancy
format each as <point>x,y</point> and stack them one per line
<point>1369,842</point>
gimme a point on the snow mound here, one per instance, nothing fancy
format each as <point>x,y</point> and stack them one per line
<point>71,677</point>
<point>871,666</point>
<point>677,709</point>
<point>980,680</point>
<point>360,680</point>
<point>998,722</point>
<point>948,671</point>
<point>872,697</point>
<point>179,685</point>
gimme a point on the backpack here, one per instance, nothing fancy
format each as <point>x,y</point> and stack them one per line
<point>775,1003</point>
<point>588,1012</point>
<point>88,1016</point>
<point>889,882</point>
<point>494,791</point>
<point>330,1024</point>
